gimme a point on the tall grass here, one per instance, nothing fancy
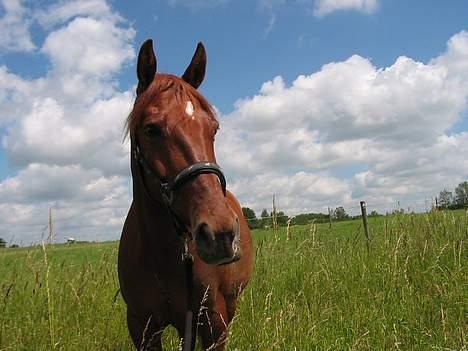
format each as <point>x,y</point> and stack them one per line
<point>64,298</point>
<point>319,290</point>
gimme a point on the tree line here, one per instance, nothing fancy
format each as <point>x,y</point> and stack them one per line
<point>446,200</point>
<point>266,218</point>
<point>453,200</point>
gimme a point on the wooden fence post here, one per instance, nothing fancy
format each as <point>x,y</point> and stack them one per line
<point>330,217</point>
<point>364,221</point>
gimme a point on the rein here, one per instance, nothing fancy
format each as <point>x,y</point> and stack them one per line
<point>167,190</point>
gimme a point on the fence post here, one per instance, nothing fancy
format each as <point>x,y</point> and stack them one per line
<point>364,221</point>
<point>330,217</point>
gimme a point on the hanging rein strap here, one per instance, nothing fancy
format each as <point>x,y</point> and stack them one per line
<point>190,332</point>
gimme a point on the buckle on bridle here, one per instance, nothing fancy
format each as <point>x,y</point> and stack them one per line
<point>186,255</point>
<point>167,194</point>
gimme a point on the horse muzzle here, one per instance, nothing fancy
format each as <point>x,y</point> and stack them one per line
<point>218,248</point>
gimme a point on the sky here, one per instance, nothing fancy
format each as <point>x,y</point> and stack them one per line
<point>322,102</point>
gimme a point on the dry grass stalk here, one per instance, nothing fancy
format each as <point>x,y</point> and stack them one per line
<point>288,229</point>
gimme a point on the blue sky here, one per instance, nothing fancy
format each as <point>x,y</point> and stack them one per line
<point>332,100</point>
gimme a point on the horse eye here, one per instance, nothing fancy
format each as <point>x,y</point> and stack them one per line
<point>152,131</point>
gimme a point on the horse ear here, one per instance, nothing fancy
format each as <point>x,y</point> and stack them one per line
<point>146,66</point>
<point>195,72</point>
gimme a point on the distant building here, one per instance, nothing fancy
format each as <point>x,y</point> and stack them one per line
<point>71,240</point>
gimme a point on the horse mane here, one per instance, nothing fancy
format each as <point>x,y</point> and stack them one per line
<point>163,82</point>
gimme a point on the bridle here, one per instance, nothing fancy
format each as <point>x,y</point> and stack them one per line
<point>167,189</point>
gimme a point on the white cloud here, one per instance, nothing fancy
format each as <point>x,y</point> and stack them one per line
<point>325,7</point>
<point>393,122</point>
<point>64,130</point>
<point>455,58</point>
<point>316,191</point>
<point>85,203</point>
<point>357,95</point>
<point>89,46</point>
<point>14,26</point>
<point>66,10</point>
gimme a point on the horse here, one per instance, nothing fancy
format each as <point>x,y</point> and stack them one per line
<point>180,207</point>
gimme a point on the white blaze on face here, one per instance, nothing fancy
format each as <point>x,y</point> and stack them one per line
<point>189,109</point>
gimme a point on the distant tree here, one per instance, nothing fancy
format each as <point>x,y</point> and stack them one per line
<point>340,213</point>
<point>14,246</point>
<point>2,243</point>
<point>306,218</point>
<point>445,198</point>
<point>265,218</point>
<point>251,218</point>
<point>461,194</point>
<point>282,218</point>
<point>374,213</point>
<point>249,213</point>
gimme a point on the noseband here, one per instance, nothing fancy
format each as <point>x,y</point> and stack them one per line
<point>168,188</point>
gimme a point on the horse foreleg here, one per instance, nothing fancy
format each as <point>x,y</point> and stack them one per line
<point>145,332</point>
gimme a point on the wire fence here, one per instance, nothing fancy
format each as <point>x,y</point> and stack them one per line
<point>380,208</point>
<point>329,213</point>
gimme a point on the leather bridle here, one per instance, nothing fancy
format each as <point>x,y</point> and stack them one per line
<point>167,189</point>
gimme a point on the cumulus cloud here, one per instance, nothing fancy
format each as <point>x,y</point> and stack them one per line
<point>325,7</point>
<point>351,99</point>
<point>64,11</point>
<point>14,26</point>
<point>319,8</point>
<point>98,48</point>
<point>394,122</point>
<point>64,130</point>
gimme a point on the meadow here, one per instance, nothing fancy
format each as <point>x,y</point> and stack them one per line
<point>322,289</point>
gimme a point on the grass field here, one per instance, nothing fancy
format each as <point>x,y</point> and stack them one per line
<point>320,290</point>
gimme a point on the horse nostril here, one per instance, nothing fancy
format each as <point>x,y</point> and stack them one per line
<point>218,247</point>
<point>204,235</point>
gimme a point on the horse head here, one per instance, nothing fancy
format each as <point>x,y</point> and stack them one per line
<point>172,129</point>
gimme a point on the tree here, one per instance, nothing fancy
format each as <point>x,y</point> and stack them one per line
<point>445,198</point>
<point>251,217</point>
<point>249,213</point>
<point>2,243</point>
<point>282,218</point>
<point>265,221</point>
<point>340,213</point>
<point>461,194</point>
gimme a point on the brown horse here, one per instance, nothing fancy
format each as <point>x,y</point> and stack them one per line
<point>179,203</point>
